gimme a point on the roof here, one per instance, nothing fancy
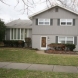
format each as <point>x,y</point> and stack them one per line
<point>61,6</point>
<point>20,24</point>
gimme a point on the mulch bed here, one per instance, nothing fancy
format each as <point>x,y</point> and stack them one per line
<point>60,52</point>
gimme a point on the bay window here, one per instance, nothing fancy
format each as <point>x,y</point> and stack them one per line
<point>18,34</point>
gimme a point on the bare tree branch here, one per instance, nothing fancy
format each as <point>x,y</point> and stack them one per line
<point>4,2</point>
<point>31,4</point>
<point>17,3</point>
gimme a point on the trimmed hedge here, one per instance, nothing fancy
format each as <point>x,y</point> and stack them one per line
<point>13,43</point>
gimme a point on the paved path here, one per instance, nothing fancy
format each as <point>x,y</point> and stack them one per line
<point>40,67</point>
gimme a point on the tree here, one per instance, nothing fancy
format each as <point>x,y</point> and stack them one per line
<point>30,4</point>
<point>2,30</point>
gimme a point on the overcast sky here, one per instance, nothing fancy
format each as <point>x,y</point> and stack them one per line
<point>9,13</point>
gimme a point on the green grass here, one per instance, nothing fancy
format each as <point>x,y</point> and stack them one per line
<point>12,73</point>
<point>30,56</point>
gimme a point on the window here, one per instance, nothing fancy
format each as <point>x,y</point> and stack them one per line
<point>22,33</point>
<point>64,40</point>
<point>11,33</point>
<point>18,34</point>
<point>14,33</point>
<point>25,33</point>
<point>66,22</point>
<point>43,21</point>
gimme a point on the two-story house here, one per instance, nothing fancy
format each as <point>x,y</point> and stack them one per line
<point>57,24</point>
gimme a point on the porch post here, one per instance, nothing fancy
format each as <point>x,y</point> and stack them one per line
<point>20,33</point>
<point>10,33</point>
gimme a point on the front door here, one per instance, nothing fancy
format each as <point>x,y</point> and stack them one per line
<point>43,43</point>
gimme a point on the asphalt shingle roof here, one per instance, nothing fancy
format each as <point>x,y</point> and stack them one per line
<point>20,24</point>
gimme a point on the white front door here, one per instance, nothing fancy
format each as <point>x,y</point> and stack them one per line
<point>43,43</point>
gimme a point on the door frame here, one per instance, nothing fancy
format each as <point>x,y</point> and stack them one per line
<point>43,48</point>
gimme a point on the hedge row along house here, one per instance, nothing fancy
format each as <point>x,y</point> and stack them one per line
<point>57,24</point>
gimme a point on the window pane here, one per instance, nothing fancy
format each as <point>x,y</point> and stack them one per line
<point>63,20</point>
<point>21,33</point>
<point>69,42</point>
<point>47,23</point>
<point>41,20</point>
<point>69,23</point>
<point>47,20</point>
<point>11,33</point>
<point>41,23</point>
<point>18,33</point>
<point>25,33</point>
<point>62,40</point>
<point>69,38</point>
<point>69,20</point>
<point>63,23</point>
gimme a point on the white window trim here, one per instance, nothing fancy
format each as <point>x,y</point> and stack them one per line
<point>10,33</point>
<point>65,38</point>
<point>43,22</point>
<point>66,22</point>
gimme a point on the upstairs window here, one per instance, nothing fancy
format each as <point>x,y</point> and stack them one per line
<point>66,22</point>
<point>43,21</point>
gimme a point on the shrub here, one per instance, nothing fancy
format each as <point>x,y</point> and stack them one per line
<point>60,46</point>
<point>13,43</point>
<point>28,41</point>
<point>71,47</point>
<point>20,43</point>
<point>57,46</point>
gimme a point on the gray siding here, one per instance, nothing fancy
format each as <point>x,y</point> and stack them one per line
<point>7,34</point>
<point>55,29</point>
<point>30,33</point>
<point>36,40</point>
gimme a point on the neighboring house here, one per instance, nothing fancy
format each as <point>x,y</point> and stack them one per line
<point>54,25</point>
<point>19,30</point>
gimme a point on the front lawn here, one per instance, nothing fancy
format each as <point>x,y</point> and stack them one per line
<point>11,73</point>
<point>30,56</point>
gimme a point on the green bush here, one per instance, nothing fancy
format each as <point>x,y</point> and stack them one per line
<point>13,43</point>
<point>71,47</point>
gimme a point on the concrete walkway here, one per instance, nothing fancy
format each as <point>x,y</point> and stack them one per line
<point>40,67</point>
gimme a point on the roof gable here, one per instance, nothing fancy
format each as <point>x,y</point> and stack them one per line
<point>65,8</point>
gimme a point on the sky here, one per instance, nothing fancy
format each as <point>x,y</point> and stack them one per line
<point>9,13</point>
